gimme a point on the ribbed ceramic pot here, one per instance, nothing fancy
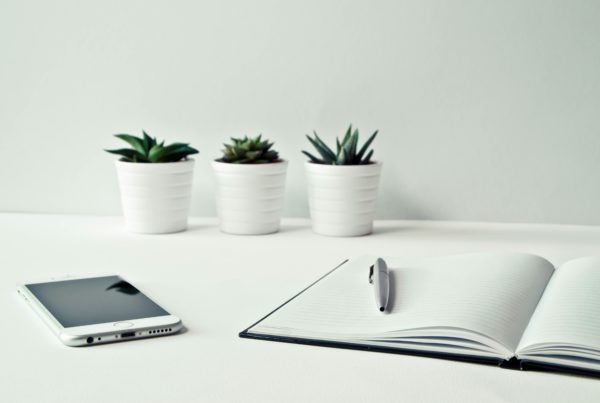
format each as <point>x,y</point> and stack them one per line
<point>156,196</point>
<point>250,196</point>
<point>342,198</point>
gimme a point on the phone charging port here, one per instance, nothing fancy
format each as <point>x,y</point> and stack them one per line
<point>128,334</point>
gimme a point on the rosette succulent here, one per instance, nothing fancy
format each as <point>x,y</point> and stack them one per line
<point>249,151</point>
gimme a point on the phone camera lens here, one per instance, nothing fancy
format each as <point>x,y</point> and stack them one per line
<point>90,340</point>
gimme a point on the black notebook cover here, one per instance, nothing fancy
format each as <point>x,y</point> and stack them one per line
<point>513,363</point>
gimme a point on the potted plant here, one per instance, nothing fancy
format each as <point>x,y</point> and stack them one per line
<point>156,184</point>
<point>250,179</point>
<point>342,185</point>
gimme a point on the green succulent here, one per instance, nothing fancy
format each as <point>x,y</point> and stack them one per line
<point>147,149</point>
<point>249,151</point>
<point>346,150</point>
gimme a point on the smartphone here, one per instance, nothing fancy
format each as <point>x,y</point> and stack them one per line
<point>84,311</point>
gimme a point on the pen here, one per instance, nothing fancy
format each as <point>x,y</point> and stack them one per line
<point>379,277</point>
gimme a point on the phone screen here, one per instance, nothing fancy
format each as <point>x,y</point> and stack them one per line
<point>94,300</point>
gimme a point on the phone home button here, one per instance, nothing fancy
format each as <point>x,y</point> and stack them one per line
<point>122,325</point>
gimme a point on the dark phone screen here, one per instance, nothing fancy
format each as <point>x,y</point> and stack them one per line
<point>94,300</point>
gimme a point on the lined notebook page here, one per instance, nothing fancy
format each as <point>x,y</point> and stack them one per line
<point>492,294</point>
<point>569,312</point>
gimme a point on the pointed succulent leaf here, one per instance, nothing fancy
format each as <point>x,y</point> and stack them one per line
<point>229,151</point>
<point>176,156</point>
<point>252,155</point>
<point>271,155</point>
<point>171,153</point>
<point>148,142</point>
<point>346,157</point>
<point>128,154</point>
<point>330,153</point>
<point>367,159</point>
<point>155,152</point>
<point>341,159</point>
<point>263,145</point>
<point>325,152</point>
<point>312,157</point>
<point>347,151</point>
<point>347,135</point>
<point>318,147</point>
<point>135,142</point>
<point>365,146</point>
<point>353,144</point>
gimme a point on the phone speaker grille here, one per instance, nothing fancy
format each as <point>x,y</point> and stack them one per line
<point>159,331</point>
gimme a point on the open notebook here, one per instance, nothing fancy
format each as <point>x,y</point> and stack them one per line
<point>496,307</point>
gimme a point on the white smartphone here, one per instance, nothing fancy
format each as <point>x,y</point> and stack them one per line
<point>92,310</point>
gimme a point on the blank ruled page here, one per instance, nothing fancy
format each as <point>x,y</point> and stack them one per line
<point>492,294</point>
<point>569,312</point>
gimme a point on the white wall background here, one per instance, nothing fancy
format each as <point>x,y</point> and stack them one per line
<point>486,110</point>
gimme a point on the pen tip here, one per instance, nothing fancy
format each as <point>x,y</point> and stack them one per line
<point>381,308</point>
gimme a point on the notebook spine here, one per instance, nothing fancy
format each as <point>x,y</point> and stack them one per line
<point>514,363</point>
<point>535,366</point>
<point>353,346</point>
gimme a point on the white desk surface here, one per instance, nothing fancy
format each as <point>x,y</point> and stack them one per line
<point>187,272</point>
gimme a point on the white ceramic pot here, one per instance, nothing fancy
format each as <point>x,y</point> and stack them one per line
<point>342,198</point>
<point>156,196</point>
<point>250,196</point>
